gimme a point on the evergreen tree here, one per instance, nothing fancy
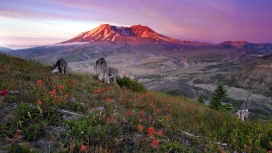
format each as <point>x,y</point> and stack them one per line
<point>217,96</point>
<point>201,98</point>
<point>227,107</point>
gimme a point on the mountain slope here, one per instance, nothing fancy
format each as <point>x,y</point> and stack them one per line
<point>257,76</point>
<point>133,34</point>
<point>5,49</point>
<point>76,113</point>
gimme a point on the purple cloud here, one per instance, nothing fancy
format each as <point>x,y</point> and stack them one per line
<point>210,21</point>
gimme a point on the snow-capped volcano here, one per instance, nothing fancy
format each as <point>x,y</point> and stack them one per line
<point>121,34</point>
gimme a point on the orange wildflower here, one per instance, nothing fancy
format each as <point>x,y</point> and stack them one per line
<point>140,128</point>
<point>61,87</point>
<point>155,143</point>
<point>39,82</point>
<point>40,103</point>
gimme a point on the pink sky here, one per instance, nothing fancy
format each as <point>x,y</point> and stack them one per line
<point>26,23</point>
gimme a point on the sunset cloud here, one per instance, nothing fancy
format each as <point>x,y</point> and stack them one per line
<point>211,21</point>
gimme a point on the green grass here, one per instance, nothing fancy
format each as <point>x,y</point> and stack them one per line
<point>112,117</point>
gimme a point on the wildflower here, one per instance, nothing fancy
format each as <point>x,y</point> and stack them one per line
<point>39,82</point>
<point>108,119</point>
<point>17,134</point>
<point>83,148</point>
<point>109,100</point>
<point>61,87</point>
<point>160,132</point>
<point>140,128</point>
<point>245,145</point>
<point>149,118</point>
<point>5,69</point>
<point>155,143</point>
<point>53,92</point>
<point>169,118</point>
<point>196,124</point>
<point>4,92</point>
<point>40,103</point>
<point>269,151</point>
<point>141,112</point>
<point>59,99</point>
<point>121,97</point>
<point>128,112</point>
<point>151,131</point>
<point>66,96</point>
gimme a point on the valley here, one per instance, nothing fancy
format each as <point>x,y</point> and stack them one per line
<point>179,68</point>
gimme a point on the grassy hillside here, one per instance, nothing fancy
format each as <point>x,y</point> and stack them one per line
<point>51,112</point>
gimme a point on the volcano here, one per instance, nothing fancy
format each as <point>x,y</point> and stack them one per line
<point>120,34</point>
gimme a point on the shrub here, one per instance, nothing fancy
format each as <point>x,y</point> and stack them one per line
<point>131,84</point>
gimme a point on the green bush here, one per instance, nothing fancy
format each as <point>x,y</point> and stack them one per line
<point>130,84</point>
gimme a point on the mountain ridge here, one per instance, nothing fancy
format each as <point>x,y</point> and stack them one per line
<point>246,45</point>
<point>121,34</point>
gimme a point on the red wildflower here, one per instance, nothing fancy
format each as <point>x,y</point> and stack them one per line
<point>5,69</point>
<point>59,99</point>
<point>140,128</point>
<point>108,119</point>
<point>160,132</point>
<point>40,103</point>
<point>196,124</point>
<point>53,92</point>
<point>17,134</point>
<point>109,100</point>
<point>169,118</point>
<point>128,112</point>
<point>4,92</point>
<point>61,87</point>
<point>155,143</point>
<point>151,131</point>
<point>149,118</point>
<point>141,112</point>
<point>121,97</point>
<point>83,148</point>
<point>245,145</point>
<point>269,151</point>
<point>39,82</point>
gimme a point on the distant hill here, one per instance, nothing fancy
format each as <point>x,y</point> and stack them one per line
<point>5,49</point>
<point>257,76</point>
<point>246,45</point>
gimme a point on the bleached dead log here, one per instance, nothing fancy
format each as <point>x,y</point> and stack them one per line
<point>71,114</point>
